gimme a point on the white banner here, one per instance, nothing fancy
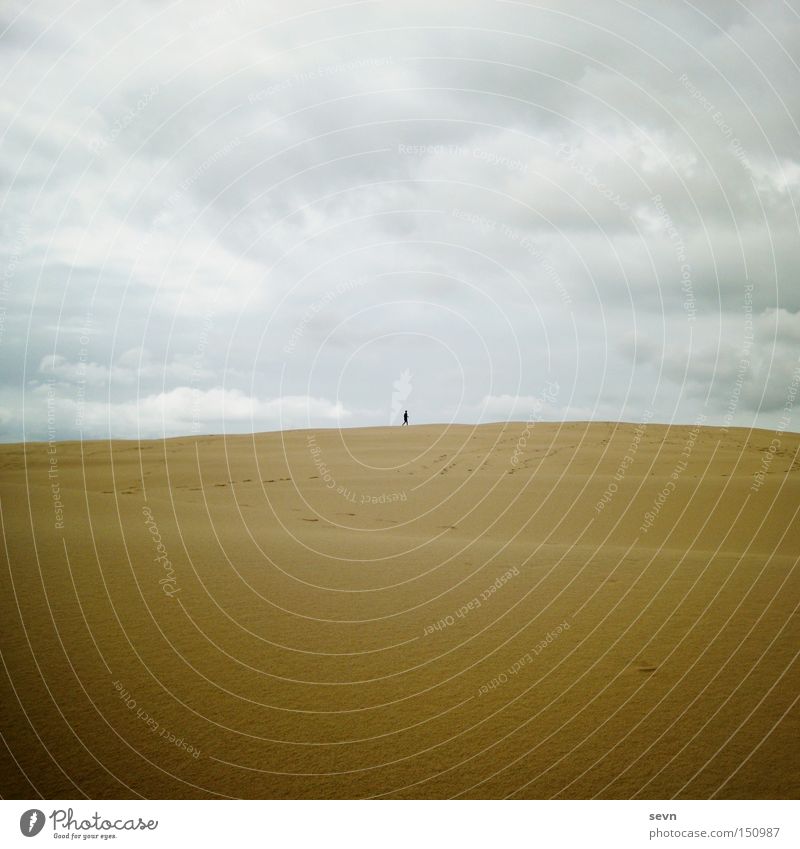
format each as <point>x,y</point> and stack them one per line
<point>403,825</point>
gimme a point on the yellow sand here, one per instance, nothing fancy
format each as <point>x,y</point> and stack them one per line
<point>312,628</point>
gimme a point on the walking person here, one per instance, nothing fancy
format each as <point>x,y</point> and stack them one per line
<point>405,418</point>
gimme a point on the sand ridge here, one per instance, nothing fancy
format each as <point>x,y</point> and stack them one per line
<point>563,610</point>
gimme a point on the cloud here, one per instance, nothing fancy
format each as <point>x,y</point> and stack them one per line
<point>179,411</point>
<point>588,193</point>
<point>751,365</point>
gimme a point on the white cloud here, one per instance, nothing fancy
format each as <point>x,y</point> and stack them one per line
<point>182,410</point>
<point>194,177</point>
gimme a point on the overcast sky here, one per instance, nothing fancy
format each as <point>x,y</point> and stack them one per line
<point>251,215</point>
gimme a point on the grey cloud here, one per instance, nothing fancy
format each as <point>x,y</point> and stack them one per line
<point>576,193</point>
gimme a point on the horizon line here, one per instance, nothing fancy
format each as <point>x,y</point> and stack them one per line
<point>503,422</point>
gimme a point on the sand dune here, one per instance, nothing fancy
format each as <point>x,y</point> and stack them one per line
<point>579,611</point>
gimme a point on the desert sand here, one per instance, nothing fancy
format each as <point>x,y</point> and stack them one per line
<point>570,611</point>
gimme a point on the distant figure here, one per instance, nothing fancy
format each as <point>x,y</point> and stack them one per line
<point>405,417</point>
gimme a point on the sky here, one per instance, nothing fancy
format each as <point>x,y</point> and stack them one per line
<point>247,216</point>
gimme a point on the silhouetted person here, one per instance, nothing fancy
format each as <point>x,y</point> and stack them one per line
<point>405,417</point>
